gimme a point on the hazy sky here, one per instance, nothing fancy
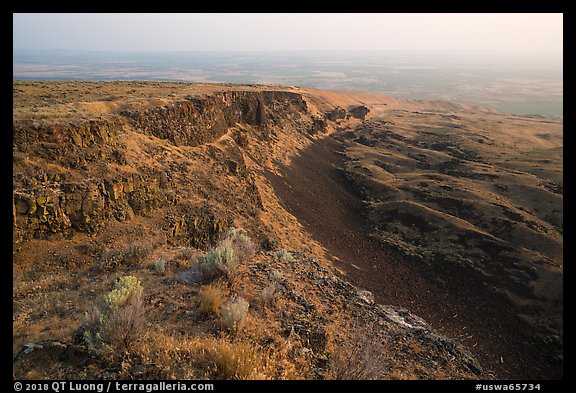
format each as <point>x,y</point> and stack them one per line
<point>182,32</point>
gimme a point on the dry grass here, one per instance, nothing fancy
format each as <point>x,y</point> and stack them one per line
<point>135,253</point>
<point>212,297</point>
<point>358,355</point>
<point>244,360</point>
<point>239,360</point>
<point>174,357</point>
<point>212,358</point>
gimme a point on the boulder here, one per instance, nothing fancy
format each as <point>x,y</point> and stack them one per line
<point>359,112</point>
<point>336,114</point>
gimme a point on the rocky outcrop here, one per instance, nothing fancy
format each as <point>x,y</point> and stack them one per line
<point>318,125</point>
<point>200,120</point>
<point>88,205</point>
<point>336,114</point>
<point>83,134</point>
<point>70,144</point>
<point>197,227</point>
<point>359,112</point>
<point>411,344</point>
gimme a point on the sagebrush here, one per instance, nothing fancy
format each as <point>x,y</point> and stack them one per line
<point>284,255</point>
<point>241,242</point>
<point>220,261</point>
<point>118,321</point>
<point>233,314</point>
<point>228,256</point>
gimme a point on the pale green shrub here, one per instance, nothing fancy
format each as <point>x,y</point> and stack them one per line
<point>241,242</point>
<point>233,314</point>
<point>220,261</point>
<point>160,266</point>
<point>284,255</point>
<point>118,321</point>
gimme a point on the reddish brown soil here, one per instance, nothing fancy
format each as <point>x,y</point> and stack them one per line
<point>316,192</point>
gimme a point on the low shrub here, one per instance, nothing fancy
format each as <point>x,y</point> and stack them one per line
<point>275,276</point>
<point>241,242</point>
<point>224,260</point>
<point>233,314</point>
<point>359,356</point>
<point>125,288</point>
<point>111,259</point>
<point>123,326</point>
<point>136,252</point>
<point>220,261</point>
<point>284,255</point>
<point>268,294</point>
<point>118,321</point>
<point>160,266</point>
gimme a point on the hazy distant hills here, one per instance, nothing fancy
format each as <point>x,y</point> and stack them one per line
<point>525,84</point>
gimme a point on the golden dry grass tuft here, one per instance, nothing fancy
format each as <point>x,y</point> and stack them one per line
<point>174,357</point>
<point>239,360</point>
<point>185,357</point>
<point>212,296</point>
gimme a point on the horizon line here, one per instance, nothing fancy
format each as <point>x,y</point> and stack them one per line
<point>292,50</point>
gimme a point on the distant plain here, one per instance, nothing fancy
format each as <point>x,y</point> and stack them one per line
<point>517,83</point>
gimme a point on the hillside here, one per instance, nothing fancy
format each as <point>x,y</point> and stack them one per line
<point>362,210</point>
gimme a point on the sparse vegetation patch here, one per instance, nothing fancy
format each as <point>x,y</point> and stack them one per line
<point>160,266</point>
<point>284,255</point>
<point>118,321</point>
<point>359,354</point>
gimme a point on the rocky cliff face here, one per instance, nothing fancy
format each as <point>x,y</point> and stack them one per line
<point>76,176</point>
<point>200,120</point>
<point>62,181</point>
